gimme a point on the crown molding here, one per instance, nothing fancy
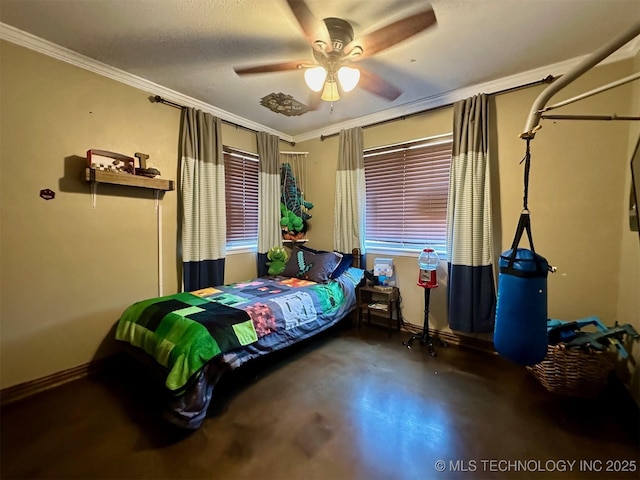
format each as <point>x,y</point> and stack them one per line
<point>14,35</point>
<point>24,39</point>
<point>447,98</point>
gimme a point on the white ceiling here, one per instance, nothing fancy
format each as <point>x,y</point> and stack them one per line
<point>185,50</point>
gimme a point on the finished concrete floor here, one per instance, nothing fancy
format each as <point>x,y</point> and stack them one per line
<point>350,404</point>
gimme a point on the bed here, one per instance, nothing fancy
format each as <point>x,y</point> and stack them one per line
<point>189,340</point>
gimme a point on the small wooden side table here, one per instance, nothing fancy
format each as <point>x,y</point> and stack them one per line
<point>381,302</point>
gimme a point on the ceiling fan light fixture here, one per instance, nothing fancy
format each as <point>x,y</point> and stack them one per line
<point>349,78</point>
<point>330,92</point>
<point>315,77</point>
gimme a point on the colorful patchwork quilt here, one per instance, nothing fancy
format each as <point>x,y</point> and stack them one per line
<point>183,332</point>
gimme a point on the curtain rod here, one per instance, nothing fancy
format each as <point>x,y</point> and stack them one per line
<point>159,99</point>
<point>547,79</point>
<point>589,117</point>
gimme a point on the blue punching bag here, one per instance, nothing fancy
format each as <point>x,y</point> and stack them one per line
<point>520,332</point>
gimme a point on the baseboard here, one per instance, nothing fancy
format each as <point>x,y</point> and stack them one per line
<point>464,341</point>
<point>23,390</point>
<point>453,338</point>
<point>616,385</point>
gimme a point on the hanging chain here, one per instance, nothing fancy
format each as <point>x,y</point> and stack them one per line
<point>527,167</point>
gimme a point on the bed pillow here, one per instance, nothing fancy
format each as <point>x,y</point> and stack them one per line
<point>345,263</point>
<point>307,265</point>
<point>353,276</point>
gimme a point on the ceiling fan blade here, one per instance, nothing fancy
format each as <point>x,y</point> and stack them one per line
<point>392,34</point>
<point>377,85</point>
<point>315,31</point>
<point>273,67</point>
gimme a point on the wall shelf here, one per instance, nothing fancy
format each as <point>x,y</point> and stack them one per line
<point>102,176</point>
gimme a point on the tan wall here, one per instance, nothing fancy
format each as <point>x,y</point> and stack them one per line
<point>68,270</point>
<point>629,262</point>
<point>579,199</point>
<point>576,192</point>
<point>577,196</point>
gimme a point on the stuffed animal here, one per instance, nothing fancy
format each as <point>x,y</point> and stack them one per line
<point>278,257</point>
<point>293,206</point>
<point>289,221</point>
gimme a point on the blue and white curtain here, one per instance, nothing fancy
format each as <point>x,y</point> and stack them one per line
<point>471,294</point>
<point>350,198</point>
<point>202,195</point>
<point>269,233</point>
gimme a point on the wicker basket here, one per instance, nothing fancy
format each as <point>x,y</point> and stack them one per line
<point>574,372</point>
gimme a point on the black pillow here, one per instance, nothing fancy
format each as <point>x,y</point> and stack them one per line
<point>307,265</point>
<point>345,263</point>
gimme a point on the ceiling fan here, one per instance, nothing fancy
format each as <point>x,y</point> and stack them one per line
<point>335,48</point>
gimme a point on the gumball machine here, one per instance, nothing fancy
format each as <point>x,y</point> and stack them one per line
<point>428,261</point>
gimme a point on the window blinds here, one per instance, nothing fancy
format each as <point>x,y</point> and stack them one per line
<point>241,182</point>
<point>406,194</point>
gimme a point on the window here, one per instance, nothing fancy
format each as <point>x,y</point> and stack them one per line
<point>241,182</point>
<point>406,196</point>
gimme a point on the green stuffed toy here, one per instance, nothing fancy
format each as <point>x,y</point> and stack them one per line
<point>293,227</point>
<point>278,257</point>
<point>289,220</point>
